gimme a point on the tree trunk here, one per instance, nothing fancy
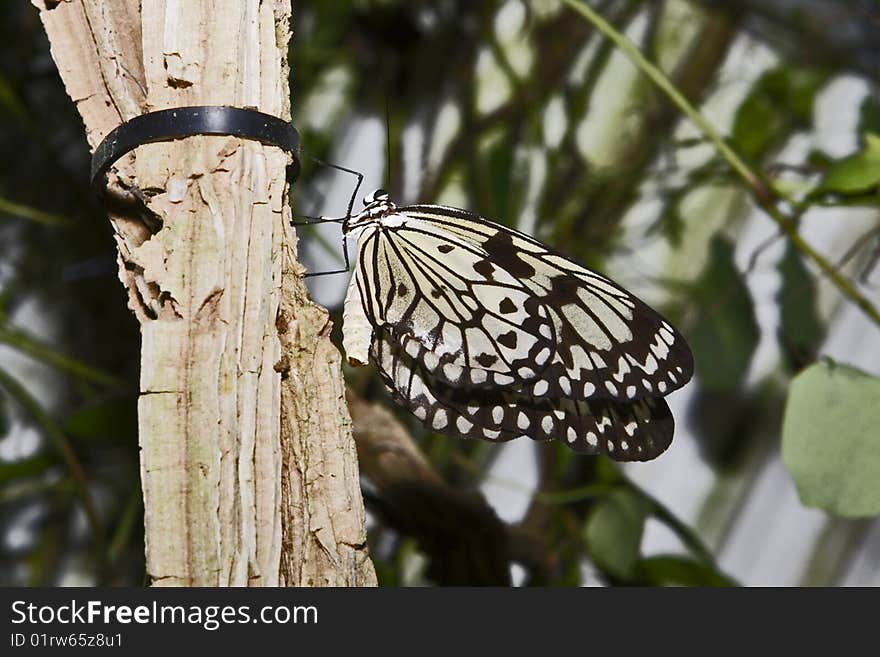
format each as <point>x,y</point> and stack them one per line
<point>248,467</point>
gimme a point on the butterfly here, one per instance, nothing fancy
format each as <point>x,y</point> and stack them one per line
<point>481,331</point>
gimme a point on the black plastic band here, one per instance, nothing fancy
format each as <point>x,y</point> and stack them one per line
<point>170,124</point>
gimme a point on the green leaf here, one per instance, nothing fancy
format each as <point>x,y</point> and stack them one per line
<point>614,532</point>
<point>869,115</point>
<point>725,334</point>
<point>674,570</point>
<point>800,330</point>
<point>780,100</point>
<point>860,172</point>
<point>831,440</point>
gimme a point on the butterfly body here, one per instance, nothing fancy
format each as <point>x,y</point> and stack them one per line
<point>482,331</point>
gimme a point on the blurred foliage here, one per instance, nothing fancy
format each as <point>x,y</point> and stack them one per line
<point>800,328</point>
<point>614,532</point>
<point>527,116</point>
<point>829,439</point>
<point>857,174</point>
<point>725,334</point>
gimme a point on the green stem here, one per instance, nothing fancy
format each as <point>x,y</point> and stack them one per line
<point>27,212</point>
<point>125,526</point>
<point>684,532</point>
<point>39,351</point>
<point>572,495</point>
<point>766,197</point>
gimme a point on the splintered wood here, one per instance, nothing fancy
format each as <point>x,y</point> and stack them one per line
<point>248,467</point>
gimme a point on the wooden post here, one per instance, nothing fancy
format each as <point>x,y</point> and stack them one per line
<point>248,467</point>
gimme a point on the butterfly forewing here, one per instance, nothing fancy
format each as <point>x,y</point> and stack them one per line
<point>606,342</point>
<point>436,288</point>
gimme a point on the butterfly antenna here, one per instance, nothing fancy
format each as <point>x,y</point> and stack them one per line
<point>387,143</point>
<point>343,220</point>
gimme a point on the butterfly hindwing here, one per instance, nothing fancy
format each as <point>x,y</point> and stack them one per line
<point>626,432</point>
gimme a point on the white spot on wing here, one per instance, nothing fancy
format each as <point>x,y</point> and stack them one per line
<point>565,385</point>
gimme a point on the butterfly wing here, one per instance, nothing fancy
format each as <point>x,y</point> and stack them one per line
<point>635,431</point>
<point>603,341</point>
<point>465,326</point>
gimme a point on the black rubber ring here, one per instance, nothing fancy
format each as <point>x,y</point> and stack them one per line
<point>178,122</point>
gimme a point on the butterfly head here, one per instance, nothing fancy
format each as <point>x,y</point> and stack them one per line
<point>377,205</point>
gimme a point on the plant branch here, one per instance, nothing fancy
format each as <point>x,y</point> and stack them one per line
<point>765,196</point>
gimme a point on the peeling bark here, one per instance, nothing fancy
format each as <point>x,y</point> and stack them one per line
<point>248,467</point>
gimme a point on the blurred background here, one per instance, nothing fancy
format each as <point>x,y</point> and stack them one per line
<point>522,112</point>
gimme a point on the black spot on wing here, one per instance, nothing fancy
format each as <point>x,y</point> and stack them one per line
<point>503,253</point>
<point>484,268</point>
<point>506,306</point>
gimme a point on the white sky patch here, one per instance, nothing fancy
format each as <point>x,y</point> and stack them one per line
<point>537,163</point>
<point>582,61</point>
<point>511,480</point>
<point>326,102</point>
<point>492,86</point>
<point>675,33</point>
<point>544,9</point>
<point>517,574</point>
<point>746,61</point>
<point>446,126</point>
<point>453,194</point>
<point>509,20</point>
<point>509,23</point>
<point>554,122</point>
<point>836,115</point>
<point>413,139</point>
<point>611,118</point>
<point>19,536</point>
<point>360,147</point>
<point>21,442</point>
